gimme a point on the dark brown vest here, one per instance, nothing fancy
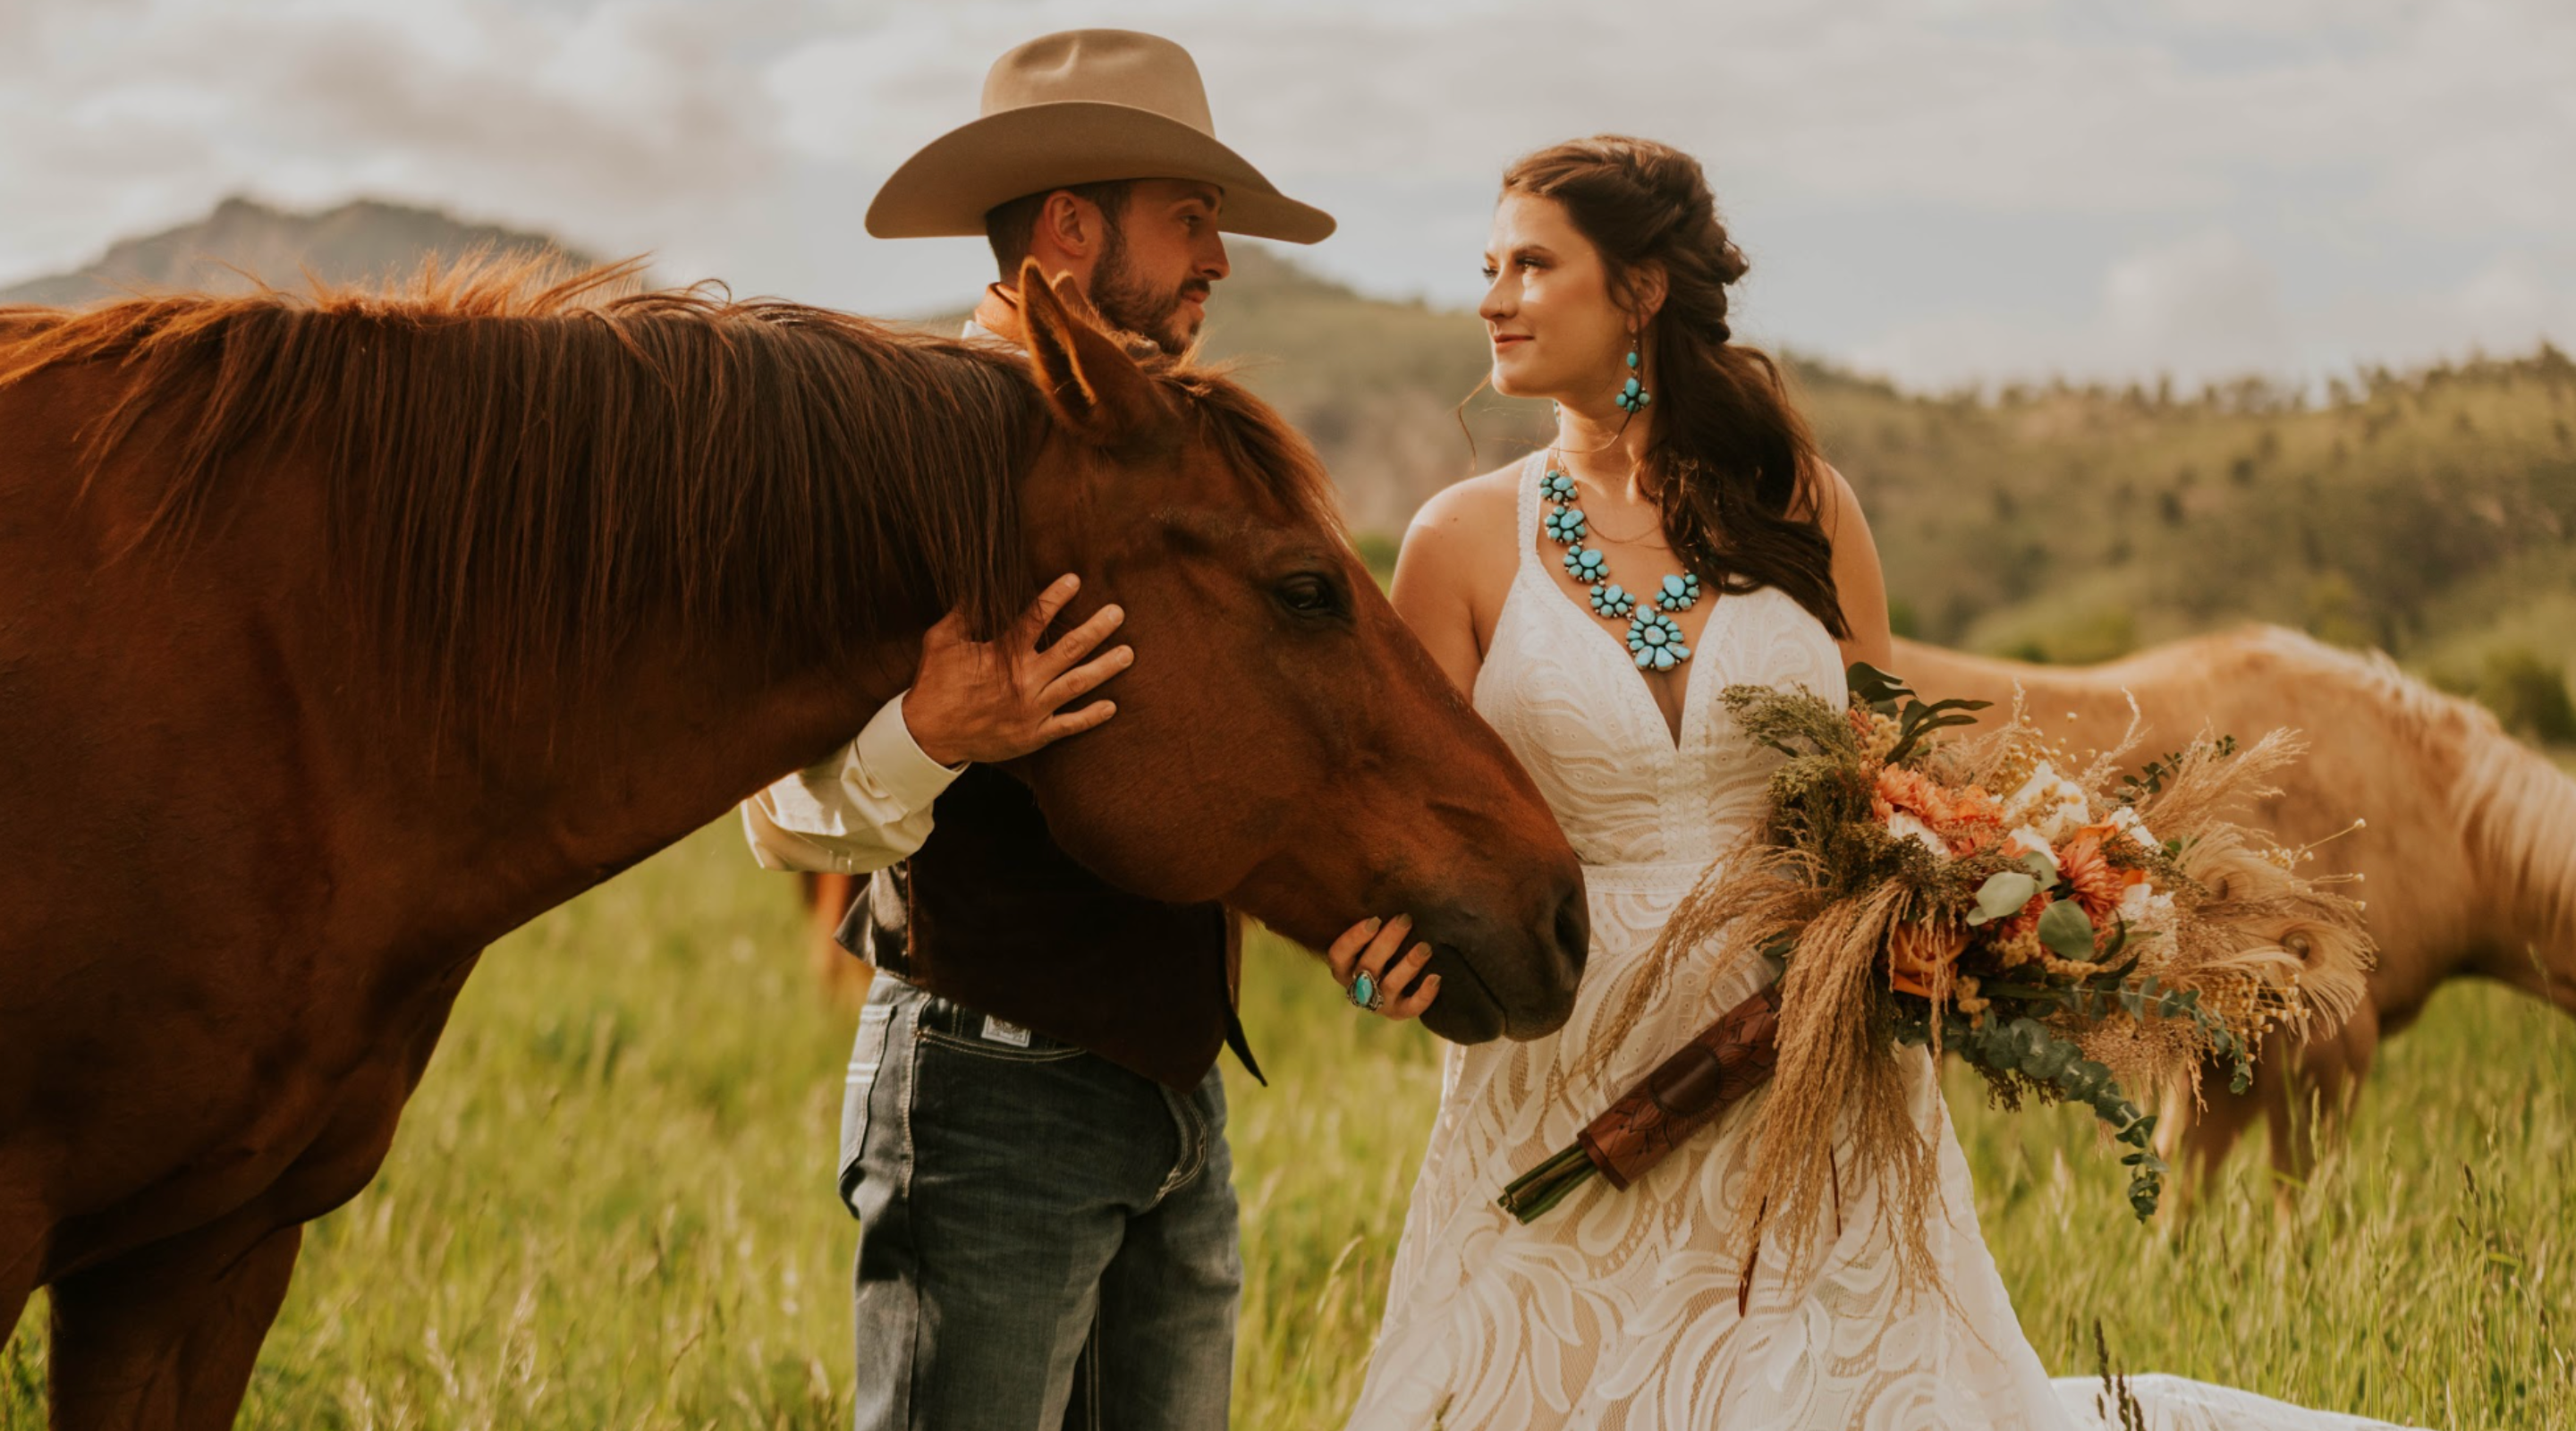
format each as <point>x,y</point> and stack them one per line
<point>991,914</point>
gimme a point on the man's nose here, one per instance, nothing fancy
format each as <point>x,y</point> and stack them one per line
<point>1213,266</point>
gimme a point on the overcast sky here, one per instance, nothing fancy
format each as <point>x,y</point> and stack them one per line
<point>1943,192</point>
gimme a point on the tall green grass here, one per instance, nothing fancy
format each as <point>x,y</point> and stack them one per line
<point>611,1206</point>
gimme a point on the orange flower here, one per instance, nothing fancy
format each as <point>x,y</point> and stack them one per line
<point>1968,821</point>
<point>1912,791</point>
<point>2090,877</point>
<point>1976,822</point>
<point>1975,804</point>
<point>1923,959</point>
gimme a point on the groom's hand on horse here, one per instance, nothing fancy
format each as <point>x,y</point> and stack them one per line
<point>983,701</point>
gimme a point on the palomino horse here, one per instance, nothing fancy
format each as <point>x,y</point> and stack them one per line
<point>371,628</point>
<point>2467,859</point>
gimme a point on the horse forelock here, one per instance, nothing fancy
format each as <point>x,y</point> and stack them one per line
<point>2514,812</point>
<point>530,465</point>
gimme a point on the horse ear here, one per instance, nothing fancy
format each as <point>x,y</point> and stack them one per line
<point>1096,389</point>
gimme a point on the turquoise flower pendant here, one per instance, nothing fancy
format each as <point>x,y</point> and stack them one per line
<point>1655,642</point>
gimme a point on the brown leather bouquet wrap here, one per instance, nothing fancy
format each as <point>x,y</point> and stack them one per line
<point>1727,1061</point>
<point>1687,1091</point>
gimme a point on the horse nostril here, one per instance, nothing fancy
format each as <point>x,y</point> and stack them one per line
<point>1573,930</point>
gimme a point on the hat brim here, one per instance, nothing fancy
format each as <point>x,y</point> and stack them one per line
<point>946,189</point>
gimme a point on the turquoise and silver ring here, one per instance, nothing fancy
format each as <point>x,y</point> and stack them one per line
<point>1366,992</point>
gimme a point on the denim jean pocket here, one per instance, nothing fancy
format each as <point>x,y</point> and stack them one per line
<point>869,1053</point>
<point>999,1050</point>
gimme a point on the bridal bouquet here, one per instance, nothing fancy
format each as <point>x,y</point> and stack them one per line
<point>2069,932</point>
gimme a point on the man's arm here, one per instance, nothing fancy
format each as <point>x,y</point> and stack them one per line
<point>864,808</point>
<point>869,804</point>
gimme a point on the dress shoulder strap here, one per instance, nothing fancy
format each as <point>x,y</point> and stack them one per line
<point>1525,521</point>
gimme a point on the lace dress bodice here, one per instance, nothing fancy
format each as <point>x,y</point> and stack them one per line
<point>1559,685</point>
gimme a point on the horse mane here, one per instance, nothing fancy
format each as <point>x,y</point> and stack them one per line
<point>529,466</point>
<point>2514,810</point>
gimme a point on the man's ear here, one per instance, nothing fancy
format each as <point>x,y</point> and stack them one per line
<point>1097,390</point>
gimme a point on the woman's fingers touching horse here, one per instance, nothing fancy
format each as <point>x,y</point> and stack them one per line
<point>1370,947</point>
<point>1403,1000</point>
<point>1343,957</point>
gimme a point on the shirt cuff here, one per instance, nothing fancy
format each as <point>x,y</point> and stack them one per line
<point>886,750</point>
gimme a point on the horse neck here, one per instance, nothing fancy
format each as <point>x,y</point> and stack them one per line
<point>605,774</point>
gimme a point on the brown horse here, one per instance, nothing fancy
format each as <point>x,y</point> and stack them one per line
<point>370,628</point>
<point>2468,856</point>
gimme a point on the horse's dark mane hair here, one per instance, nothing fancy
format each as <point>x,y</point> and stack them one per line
<point>527,466</point>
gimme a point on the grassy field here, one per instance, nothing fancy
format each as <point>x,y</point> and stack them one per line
<point>610,1206</point>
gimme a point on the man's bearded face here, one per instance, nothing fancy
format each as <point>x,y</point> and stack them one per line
<point>1165,308</point>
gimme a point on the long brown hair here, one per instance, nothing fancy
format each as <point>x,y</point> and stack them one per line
<point>1736,469</point>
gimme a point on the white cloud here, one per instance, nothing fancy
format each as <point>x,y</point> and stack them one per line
<point>2209,308</point>
<point>2014,184</point>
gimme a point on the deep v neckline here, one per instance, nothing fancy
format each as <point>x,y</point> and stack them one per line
<point>1676,731</point>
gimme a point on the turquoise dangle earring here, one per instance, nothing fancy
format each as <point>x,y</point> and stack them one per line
<point>1632,399</point>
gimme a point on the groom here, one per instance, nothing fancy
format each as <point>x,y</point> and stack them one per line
<point>1047,1217</point>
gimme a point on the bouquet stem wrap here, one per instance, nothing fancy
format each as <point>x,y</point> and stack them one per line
<point>1728,1060</point>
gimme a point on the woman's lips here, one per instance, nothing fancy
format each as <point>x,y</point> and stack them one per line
<point>1505,340</point>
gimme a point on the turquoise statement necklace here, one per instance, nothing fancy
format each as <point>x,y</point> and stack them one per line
<point>1654,640</point>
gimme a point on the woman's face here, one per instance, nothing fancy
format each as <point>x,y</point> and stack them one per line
<point>1555,331</point>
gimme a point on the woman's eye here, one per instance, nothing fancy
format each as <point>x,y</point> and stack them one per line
<point>1490,271</point>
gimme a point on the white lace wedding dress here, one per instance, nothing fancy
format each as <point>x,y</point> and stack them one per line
<point>1618,1311</point>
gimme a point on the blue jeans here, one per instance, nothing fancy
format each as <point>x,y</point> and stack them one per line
<point>1046,1239</point>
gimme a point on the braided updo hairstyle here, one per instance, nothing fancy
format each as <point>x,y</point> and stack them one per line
<point>1735,469</point>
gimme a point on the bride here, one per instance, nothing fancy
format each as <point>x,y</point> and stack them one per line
<point>1680,535</point>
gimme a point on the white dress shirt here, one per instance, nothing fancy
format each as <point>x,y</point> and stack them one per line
<point>865,807</point>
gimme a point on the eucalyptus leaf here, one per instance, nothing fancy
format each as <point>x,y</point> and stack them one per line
<point>2002,896</point>
<point>2042,867</point>
<point>2065,928</point>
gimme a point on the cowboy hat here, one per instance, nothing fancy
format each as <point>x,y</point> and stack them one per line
<point>1083,107</point>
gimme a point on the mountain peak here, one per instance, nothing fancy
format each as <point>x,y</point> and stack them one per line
<point>242,241</point>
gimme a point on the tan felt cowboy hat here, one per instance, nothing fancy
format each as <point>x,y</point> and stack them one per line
<point>1083,107</point>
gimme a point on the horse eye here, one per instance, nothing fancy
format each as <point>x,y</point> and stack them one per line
<point>1309,595</point>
